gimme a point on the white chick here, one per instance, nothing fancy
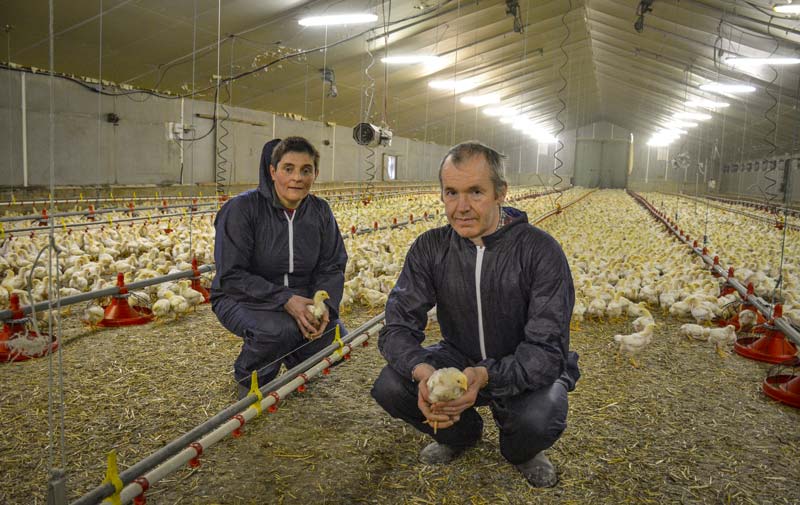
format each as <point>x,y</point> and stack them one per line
<point>641,322</point>
<point>747,318</point>
<point>93,315</point>
<point>161,308</point>
<point>634,343</point>
<point>446,384</point>
<point>722,338</point>
<point>694,331</point>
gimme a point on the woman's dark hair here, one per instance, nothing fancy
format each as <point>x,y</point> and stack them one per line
<point>294,145</point>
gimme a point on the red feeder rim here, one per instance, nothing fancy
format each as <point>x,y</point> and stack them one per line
<point>784,387</point>
<point>773,347</point>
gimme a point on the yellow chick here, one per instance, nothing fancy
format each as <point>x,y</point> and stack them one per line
<point>318,309</point>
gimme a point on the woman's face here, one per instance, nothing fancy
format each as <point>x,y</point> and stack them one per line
<point>293,177</point>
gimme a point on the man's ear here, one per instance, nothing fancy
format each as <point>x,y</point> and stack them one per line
<point>502,196</point>
<point>272,171</point>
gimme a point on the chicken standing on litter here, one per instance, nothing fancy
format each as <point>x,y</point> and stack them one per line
<point>444,385</point>
<point>634,343</point>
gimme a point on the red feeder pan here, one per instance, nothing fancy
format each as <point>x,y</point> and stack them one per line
<point>120,313</point>
<point>16,328</point>
<point>784,385</point>
<point>773,347</point>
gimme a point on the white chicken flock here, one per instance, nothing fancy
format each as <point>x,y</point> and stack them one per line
<point>623,265</point>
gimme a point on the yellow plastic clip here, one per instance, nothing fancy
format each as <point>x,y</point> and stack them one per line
<point>337,338</point>
<point>201,193</point>
<point>111,194</point>
<point>112,477</point>
<point>2,232</point>
<point>156,195</point>
<point>80,196</point>
<point>13,198</point>
<point>180,193</point>
<point>148,217</point>
<point>255,391</point>
<point>110,221</point>
<point>64,224</point>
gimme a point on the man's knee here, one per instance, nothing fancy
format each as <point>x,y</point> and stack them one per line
<point>390,390</point>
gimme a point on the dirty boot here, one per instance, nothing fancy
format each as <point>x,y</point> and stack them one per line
<point>539,471</point>
<point>439,454</point>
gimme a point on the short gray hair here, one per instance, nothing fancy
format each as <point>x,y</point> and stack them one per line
<point>466,150</point>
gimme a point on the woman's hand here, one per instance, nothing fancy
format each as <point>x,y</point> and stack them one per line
<point>323,323</point>
<point>297,308</point>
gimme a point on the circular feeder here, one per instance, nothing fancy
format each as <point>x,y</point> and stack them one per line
<point>772,347</point>
<point>783,383</point>
<point>120,313</point>
<point>16,328</point>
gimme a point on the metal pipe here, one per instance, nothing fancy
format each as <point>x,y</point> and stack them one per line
<point>100,293</point>
<point>24,126</point>
<point>181,443</point>
<point>38,217</point>
<point>188,453</point>
<point>765,308</point>
<point>124,220</point>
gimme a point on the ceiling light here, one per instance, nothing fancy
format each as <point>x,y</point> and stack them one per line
<point>727,88</point>
<point>681,124</point>
<point>338,19</point>
<point>456,86</point>
<point>499,111</point>
<point>480,100</point>
<point>699,116</point>
<point>707,104</point>
<point>787,8</point>
<point>410,59</point>
<point>659,142</point>
<point>510,119</point>
<point>673,131</point>
<point>546,138</point>
<point>762,61</point>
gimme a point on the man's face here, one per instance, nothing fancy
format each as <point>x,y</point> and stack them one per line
<point>293,177</point>
<point>470,202</point>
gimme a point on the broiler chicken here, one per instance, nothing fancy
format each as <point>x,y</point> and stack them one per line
<point>747,318</point>
<point>641,322</point>
<point>634,343</point>
<point>694,331</point>
<point>444,385</point>
<point>722,338</point>
<point>93,315</point>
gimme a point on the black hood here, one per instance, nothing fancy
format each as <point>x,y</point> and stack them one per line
<point>265,184</point>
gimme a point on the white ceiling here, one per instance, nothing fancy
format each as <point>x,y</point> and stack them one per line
<point>610,72</point>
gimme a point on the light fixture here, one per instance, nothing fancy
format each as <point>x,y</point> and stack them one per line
<point>787,8</point>
<point>719,87</point>
<point>456,86</point>
<point>338,19</point>
<point>699,116</point>
<point>499,111</point>
<point>674,131</point>
<point>659,142</point>
<point>761,61</point>
<point>546,138</point>
<point>411,59</point>
<point>706,104</point>
<point>480,100</point>
<point>510,119</point>
<point>681,124</point>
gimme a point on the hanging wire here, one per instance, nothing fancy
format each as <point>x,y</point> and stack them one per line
<point>53,288</point>
<point>769,173</point>
<point>455,72</point>
<point>7,29</point>
<point>219,178</point>
<point>562,126</point>
<point>369,160</point>
<point>183,128</point>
